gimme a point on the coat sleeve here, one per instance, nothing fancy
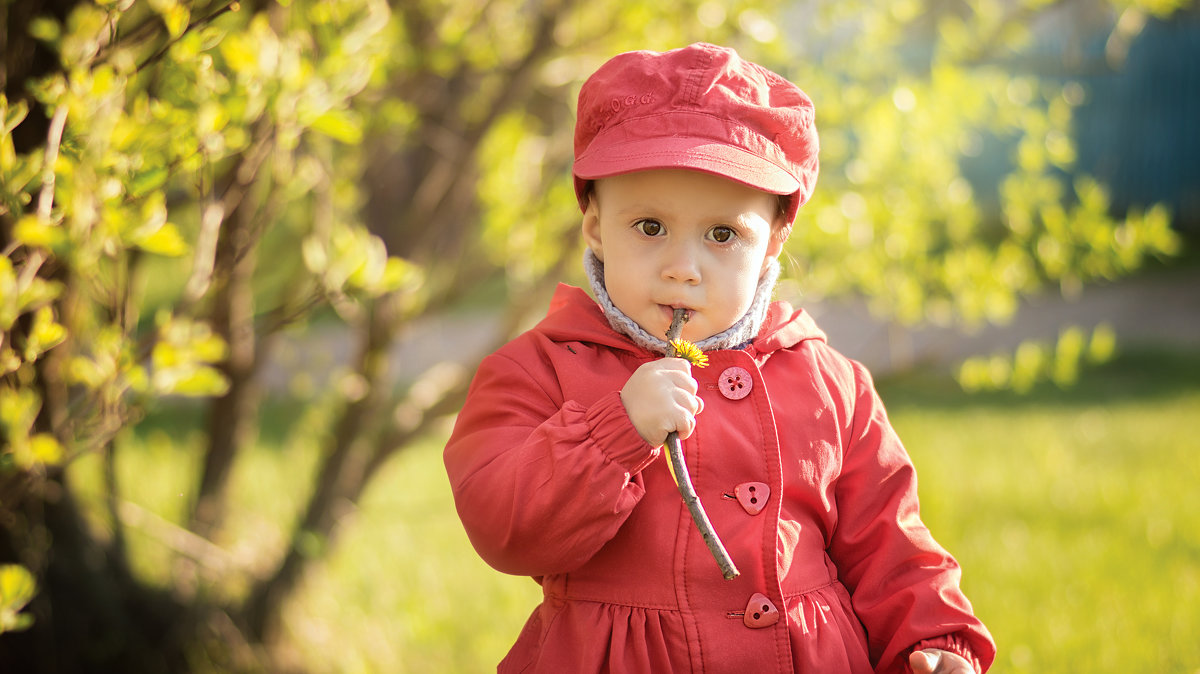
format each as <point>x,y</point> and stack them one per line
<point>541,484</point>
<point>904,586</point>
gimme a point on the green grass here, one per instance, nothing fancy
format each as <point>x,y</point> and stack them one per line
<point>1074,513</point>
<point>404,591</point>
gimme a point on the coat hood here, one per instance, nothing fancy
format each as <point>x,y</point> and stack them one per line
<point>574,316</point>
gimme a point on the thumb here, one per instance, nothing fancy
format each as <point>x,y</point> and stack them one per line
<point>924,662</point>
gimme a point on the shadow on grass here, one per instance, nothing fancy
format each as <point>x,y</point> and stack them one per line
<point>1141,374</point>
<point>181,416</point>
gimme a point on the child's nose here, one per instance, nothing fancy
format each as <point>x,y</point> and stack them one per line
<point>682,264</point>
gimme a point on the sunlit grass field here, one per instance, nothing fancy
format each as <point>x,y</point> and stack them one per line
<point>1075,514</point>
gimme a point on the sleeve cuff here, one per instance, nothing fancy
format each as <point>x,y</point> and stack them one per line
<point>953,644</point>
<point>612,431</point>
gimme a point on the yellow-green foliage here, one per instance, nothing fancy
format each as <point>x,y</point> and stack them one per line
<point>17,587</point>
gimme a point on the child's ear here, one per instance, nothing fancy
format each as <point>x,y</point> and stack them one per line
<point>779,234</point>
<point>591,227</point>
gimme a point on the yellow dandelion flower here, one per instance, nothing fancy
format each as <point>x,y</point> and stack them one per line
<point>689,352</point>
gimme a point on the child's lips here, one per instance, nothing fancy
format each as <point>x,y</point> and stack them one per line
<point>669,311</point>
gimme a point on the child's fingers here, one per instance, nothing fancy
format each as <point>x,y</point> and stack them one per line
<point>924,662</point>
<point>935,661</point>
<point>686,427</point>
<point>679,371</point>
<point>688,406</point>
<point>661,397</point>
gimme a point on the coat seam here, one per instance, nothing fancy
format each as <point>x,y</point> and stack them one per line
<point>610,602</point>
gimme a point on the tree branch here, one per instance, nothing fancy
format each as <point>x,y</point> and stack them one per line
<point>45,204</point>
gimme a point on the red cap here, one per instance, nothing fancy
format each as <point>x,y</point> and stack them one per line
<point>700,107</point>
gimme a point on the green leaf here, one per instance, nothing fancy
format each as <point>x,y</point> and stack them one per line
<point>38,293</point>
<point>11,116</point>
<point>18,408</point>
<point>179,360</point>
<point>1067,355</point>
<point>33,231</point>
<point>87,371</point>
<point>45,29</point>
<point>238,51</point>
<point>44,450</point>
<point>166,355</point>
<point>147,181</point>
<point>341,125</point>
<point>17,588</point>
<point>193,381</point>
<point>312,251</point>
<point>9,309</point>
<point>45,334</point>
<point>1103,344</point>
<point>209,348</point>
<point>165,240</point>
<point>175,17</point>
<point>400,274</point>
<point>9,362</point>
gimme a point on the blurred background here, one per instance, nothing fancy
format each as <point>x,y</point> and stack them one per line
<point>252,252</point>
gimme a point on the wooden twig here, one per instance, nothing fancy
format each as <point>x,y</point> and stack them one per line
<point>683,479</point>
<point>175,537</point>
<point>45,203</point>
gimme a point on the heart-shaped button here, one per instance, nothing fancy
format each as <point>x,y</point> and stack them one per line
<point>753,496</point>
<point>760,612</point>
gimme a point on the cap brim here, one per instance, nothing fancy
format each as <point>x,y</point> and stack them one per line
<point>687,153</point>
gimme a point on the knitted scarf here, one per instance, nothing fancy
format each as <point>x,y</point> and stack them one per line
<point>737,336</point>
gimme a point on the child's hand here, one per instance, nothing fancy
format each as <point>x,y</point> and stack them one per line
<point>660,397</point>
<point>934,661</point>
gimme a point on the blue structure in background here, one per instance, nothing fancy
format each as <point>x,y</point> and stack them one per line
<point>1139,130</point>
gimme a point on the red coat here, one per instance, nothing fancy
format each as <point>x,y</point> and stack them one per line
<point>838,574</point>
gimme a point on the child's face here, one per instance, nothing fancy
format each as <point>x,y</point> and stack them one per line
<point>678,238</point>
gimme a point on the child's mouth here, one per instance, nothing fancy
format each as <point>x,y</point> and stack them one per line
<point>669,311</point>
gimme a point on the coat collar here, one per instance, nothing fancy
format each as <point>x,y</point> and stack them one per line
<point>575,317</point>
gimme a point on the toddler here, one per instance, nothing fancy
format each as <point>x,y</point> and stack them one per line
<point>690,166</point>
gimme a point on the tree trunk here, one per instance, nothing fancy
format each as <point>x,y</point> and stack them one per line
<point>436,208</point>
<point>232,416</point>
<point>340,477</point>
<point>89,615</point>
<point>232,419</point>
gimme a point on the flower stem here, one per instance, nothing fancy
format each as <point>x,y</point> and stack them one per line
<point>683,479</point>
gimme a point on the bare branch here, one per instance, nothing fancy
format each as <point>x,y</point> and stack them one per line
<point>45,205</point>
<point>197,548</point>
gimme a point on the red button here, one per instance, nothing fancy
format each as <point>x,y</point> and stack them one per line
<point>760,612</point>
<point>753,496</point>
<point>735,383</point>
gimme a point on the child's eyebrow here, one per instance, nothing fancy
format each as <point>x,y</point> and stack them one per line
<point>737,220</point>
<point>641,209</point>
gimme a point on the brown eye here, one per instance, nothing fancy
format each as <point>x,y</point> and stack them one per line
<point>648,227</point>
<point>721,234</point>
